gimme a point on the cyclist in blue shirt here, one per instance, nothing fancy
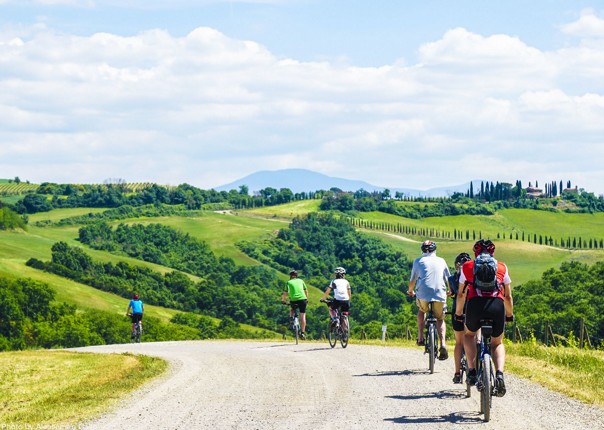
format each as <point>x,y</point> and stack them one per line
<point>138,308</point>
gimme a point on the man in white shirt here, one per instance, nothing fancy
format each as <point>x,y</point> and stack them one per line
<point>430,277</point>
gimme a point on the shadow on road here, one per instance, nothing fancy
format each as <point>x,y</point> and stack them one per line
<point>444,394</point>
<point>405,372</point>
<point>453,418</point>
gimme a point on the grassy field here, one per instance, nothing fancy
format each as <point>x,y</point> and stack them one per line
<point>58,388</point>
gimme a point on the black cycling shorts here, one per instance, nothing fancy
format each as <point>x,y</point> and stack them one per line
<point>136,318</point>
<point>485,308</point>
<point>344,305</point>
<point>300,304</point>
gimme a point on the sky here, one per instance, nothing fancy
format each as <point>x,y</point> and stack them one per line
<point>399,94</point>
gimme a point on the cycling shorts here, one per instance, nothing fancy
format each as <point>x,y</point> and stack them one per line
<point>300,304</point>
<point>491,308</point>
<point>136,318</point>
<point>344,305</point>
<point>438,308</point>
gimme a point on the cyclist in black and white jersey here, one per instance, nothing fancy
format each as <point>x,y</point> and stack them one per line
<point>341,292</point>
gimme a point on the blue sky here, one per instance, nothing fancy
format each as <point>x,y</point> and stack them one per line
<point>399,94</point>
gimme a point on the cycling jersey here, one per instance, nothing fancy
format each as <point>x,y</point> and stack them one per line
<point>467,277</point>
<point>295,288</point>
<point>340,287</point>
<point>431,274</point>
<point>137,306</point>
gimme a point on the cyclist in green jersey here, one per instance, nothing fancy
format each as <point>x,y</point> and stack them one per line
<point>298,297</point>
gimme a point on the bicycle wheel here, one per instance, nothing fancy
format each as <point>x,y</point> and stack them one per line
<point>296,329</point>
<point>487,382</point>
<point>431,347</point>
<point>344,332</point>
<point>332,334</point>
<point>139,333</point>
<point>464,372</point>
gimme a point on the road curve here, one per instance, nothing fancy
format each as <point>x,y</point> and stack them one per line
<point>277,385</point>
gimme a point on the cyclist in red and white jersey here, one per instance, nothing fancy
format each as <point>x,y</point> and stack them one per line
<point>497,306</point>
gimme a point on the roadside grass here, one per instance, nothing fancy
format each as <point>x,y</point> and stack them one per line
<point>52,388</point>
<point>573,372</point>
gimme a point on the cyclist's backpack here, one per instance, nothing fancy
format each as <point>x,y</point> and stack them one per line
<point>485,274</point>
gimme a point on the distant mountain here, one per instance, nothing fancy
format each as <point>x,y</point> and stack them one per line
<point>302,180</point>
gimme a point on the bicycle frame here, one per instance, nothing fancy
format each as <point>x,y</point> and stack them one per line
<point>295,321</point>
<point>430,338</point>
<point>486,372</point>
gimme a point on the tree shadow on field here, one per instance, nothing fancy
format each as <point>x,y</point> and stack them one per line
<point>453,418</point>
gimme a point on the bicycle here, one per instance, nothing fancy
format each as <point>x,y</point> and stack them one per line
<point>295,322</point>
<point>339,328</point>
<point>137,331</point>
<point>430,338</point>
<point>464,371</point>
<point>485,383</point>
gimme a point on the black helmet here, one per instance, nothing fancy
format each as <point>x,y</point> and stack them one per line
<point>428,246</point>
<point>462,258</point>
<point>484,245</point>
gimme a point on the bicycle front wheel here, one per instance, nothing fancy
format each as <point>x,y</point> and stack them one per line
<point>431,347</point>
<point>332,334</point>
<point>344,332</point>
<point>487,383</point>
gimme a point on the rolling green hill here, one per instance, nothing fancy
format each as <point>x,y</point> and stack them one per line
<point>223,229</point>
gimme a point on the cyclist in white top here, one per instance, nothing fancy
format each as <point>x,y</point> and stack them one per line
<point>430,276</point>
<point>341,292</point>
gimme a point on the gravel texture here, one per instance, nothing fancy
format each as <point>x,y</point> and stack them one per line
<point>279,385</point>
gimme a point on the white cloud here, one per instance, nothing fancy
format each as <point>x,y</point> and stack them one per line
<point>207,109</point>
<point>588,25</point>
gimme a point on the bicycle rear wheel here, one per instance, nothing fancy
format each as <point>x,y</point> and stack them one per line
<point>332,334</point>
<point>344,332</point>
<point>431,347</point>
<point>296,329</point>
<point>487,383</point>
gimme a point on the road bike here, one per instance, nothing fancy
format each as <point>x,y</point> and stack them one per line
<point>137,331</point>
<point>339,328</point>
<point>486,370</point>
<point>430,338</point>
<point>295,322</point>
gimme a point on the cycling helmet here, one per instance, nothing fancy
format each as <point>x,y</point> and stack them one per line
<point>428,246</point>
<point>340,272</point>
<point>293,273</point>
<point>484,245</point>
<point>135,297</point>
<point>462,258</point>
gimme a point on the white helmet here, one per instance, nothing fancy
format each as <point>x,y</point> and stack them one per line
<point>340,271</point>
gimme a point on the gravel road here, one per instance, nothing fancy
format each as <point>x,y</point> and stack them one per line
<point>277,385</point>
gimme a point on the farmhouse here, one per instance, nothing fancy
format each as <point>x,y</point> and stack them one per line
<point>533,192</point>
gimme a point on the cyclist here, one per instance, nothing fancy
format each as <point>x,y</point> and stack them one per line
<point>430,274</point>
<point>138,308</point>
<point>341,292</point>
<point>458,326</point>
<point>497,306</point>
<point>298,297</point>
